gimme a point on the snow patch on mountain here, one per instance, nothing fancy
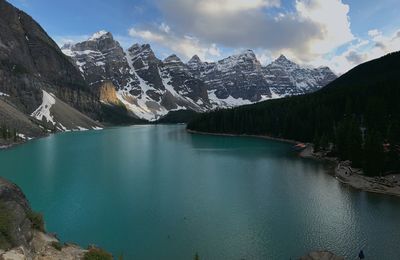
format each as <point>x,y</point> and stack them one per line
<point>228,102</point>
<point>4,94</point>
<point>98,35</point>
<point>43,111</point>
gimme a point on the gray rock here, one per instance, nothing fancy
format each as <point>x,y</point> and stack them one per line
<point>15,226</point>
<point>286,78</point>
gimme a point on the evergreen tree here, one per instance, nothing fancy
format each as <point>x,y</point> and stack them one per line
<point>374,159</point>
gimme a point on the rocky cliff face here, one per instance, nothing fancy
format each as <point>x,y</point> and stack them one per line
<point>108,93</point>
<point>232,81</point>
<point>30,62</point>
<point>150,88</point>
<point>286,78</point>
<point>15,225</point>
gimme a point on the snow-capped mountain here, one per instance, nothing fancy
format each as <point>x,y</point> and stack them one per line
<point>150,88</point>
<point>234,80</point>
<point>286,78</point>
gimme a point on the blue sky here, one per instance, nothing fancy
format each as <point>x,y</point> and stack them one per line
<point>337,33</point>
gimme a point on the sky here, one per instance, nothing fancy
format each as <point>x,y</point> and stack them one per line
<point>336,33</point>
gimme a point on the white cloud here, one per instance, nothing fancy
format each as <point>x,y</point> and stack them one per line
<point>147,35</point>
<point>185,46</point>
<point>70,39</point>
<point>233,6</point>
<point>164,27</point>
<point>361,51</point>
<point>314,28</point>
<point>332,16</point>
<point>374,33</point>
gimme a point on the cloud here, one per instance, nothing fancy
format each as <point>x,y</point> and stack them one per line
<point>164,27</point>
<point>333,20</point>
<point>186,46</point>
<point>374,33</point>
<point>70,39</point>
<point>361,50</point>
<point>313,28</point>
<point>355,57</point>
<point>233,6</point>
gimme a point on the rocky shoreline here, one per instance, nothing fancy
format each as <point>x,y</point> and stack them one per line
<point>344,173</point>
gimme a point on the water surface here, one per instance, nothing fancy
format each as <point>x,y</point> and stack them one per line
<point>156,192</point>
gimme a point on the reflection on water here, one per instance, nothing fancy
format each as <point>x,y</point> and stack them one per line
<point>156,192</point>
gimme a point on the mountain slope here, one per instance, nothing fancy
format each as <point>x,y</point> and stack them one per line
<point>359,107</point>
<point>31,62</point>
<point>286,78</point>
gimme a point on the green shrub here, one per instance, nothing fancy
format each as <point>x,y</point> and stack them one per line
<point>57,245</point>
<point>37,220</point>
<point>97,254</point>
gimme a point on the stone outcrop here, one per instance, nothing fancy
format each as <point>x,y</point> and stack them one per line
<point>108,93</point>
<point>15,225</point>
<point>20,238</point>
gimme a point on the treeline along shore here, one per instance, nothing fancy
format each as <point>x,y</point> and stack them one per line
<point>355,118</point>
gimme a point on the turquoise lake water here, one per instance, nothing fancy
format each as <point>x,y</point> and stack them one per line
<point>157,192</point>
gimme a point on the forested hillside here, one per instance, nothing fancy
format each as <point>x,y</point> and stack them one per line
<point>359,113</point>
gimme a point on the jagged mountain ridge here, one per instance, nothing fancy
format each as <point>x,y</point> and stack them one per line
<point>286,78</point>
<point>150,88</point>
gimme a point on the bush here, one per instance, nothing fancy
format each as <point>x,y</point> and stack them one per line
<point>97,254</point>
<point>37,220</point>
<point>57,245</point>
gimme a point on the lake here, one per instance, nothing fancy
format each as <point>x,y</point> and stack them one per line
<point>157,192</point>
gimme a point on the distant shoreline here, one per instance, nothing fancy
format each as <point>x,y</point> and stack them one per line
<point>344,173</point>
<point>245,135</point>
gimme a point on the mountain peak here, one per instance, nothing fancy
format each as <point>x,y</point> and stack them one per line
<point>143,51</point>
<point>247,53</point>
<point>139,48</point>
<point>195,60</point>
<point>100,35</point>
<point>172,58</point>
<point>282,58</point>
<point>283,61</point>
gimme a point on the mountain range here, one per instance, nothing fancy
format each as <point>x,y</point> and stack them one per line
<point>150,87</point>
<point>95,82</point>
